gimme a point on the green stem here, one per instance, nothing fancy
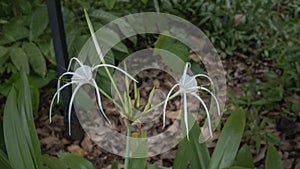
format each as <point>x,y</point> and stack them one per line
<point>156,106</point>
<point>126,165</point>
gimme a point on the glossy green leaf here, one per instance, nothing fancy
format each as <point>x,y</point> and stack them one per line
<point>109,4</point>
<point>192,151</point>
<point>273,159</point>
<point>244,157</point>
<point>4,163</point>
<point>75,162</point>
<point>19,59</point>
<point>229,141</point>
<point>39,22</point>
<point>35,57</point>
<point>52,162</point>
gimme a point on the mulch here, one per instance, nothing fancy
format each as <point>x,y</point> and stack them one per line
<point>241,69</point>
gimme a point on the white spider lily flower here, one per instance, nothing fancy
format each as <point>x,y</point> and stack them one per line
<point>83,75</point>
<point>188,85</point>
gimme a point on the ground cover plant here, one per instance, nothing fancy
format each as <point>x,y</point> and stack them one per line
<point>257,41</point>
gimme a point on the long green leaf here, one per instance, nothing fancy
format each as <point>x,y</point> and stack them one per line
<point>273,159</point>
<point>20,135</point>
<point>17,148</point>
<point>192,151</point>
<point>229,141</point>
<point>244,157</point>
<point>28,125</point>
<point>4,163</point>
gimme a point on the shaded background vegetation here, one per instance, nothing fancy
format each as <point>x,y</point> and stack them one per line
<point>258,42</point>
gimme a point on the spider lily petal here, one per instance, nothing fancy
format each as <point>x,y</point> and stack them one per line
<point>70,106</point>
<point>165,105</point>
<point>188,85</point>
<point>56,95</point>
<point>59,82</point>
<point>215,98</point>
<point>99,100</point>
<point>186,115</point>
<point>207,113</point>
<point>111,66</point>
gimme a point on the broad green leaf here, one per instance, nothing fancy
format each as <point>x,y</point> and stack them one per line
<point>41,82</point>
<point>192,151</point>
<point>19,59</point>
<point>273,159</point>
<point>14,30</point>
<point>103,15</point>
<point>3,55</point>
<point>168,43</point>
<point>244,157</point>
<point>52,162</point>
<point>4,163</point>
<point>35,57</point>
<point>109,4</point>
<point>229,141</point>
<point>75,162</point>
<point>144,1</point>
<point>39,22</point>
<point>3,51</point>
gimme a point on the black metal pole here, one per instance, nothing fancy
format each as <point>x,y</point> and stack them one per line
<point>61,53</point>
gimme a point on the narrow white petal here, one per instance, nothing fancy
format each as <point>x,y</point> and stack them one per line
<point>74,59</point>
<point>207,113</point>
<point>59,81</point>
<point>112,66</point>
<point>99,100</point>
<point>56,95</point>
<point>210,80</point>
<point>187,65</point>
<point>70,106</point>
<point>98,49</point>
<point>165,104</point>
<point>185,115</point>
<point>215,98</point>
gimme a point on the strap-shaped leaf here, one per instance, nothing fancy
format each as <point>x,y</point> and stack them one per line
<point>192,151</point>
<point>229,141</point>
